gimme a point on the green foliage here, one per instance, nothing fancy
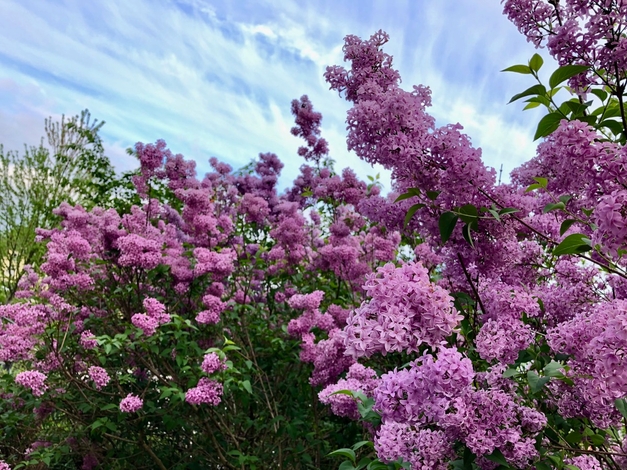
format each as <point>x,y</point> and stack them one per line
<point>607,118</point>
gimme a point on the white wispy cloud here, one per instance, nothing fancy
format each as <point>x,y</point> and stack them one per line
<point>217,77</point>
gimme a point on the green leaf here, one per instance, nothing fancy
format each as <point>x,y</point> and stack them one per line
<point>611,111</point>
<point>614,126</point>
<point>540,99</point>
<point>575,107</point>
<point>468,213</point>
<point>410,213</point>
<point>601,94</point>
<point>495,214</point>
<point>547,125</point>
<point>588,212</point>
<point>564,73</point>
<point>512,372</point>
<point>566,225</point>
<point>543,182</point>
<point>447,223</point>
<point>573,244</point>
<point>498,457</point>
<point>553,369</point>
<point>533,104</point>
<point>247,386</point>
<point>343,392</point>
<point>536,62</point>
<point>411,192</point>
<point>621,406</point>
<point>363,463</point>
<point>534,90</point>
<point>542,466</point>
<point>362,443</point>
<point>96,424</point>
<point>346,465</point>
<point>347,453</point>
<point>596,439</point>
<point>433,195</point>
<point>468,235</point>
<point>377,465</point>
<point>524,69</point>
<point>565,198</point>
<point>590,120</point>
<point>535,381</point>
<point>508,210</point>
<point>553,206</point>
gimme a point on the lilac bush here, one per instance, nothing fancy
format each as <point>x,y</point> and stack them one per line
<point>454,323</point>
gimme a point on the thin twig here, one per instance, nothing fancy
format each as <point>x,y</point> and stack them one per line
<point>474,289</point>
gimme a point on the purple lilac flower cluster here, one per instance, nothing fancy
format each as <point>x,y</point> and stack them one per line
<point>207,391</point>
<point>406,310</point>
<point>34,380</point>
<point>212,363</point>
<point>99,376</point>
<point>131,403</point>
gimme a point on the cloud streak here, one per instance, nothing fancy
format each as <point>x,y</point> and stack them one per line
<point>217,77</point>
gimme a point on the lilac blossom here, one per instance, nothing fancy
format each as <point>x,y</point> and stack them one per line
<point>131,403</point>
<point>99,376</point>
<point>34,380</point>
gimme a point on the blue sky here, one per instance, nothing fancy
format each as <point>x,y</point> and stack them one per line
<point>216,77</point>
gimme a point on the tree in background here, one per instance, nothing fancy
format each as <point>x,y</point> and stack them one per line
<point>72,167</point>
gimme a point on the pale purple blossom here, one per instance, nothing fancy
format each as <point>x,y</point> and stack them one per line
<point>131,403</point>
<point>99,376</point>
<point>33,380</point>
<point>212,363</point>
<point>207,391</point>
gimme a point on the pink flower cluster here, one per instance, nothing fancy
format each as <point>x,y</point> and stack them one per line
<point>207,391</point>
<point>99,376</point>
<point>212,363</point>
<point>131,403</point>
<point>422,448</point>
<point>19,329</point>
<point>576,32</point>
<point>358,379</point>
<point>439,395</point>
<point>88,340</point>
<point>213,308</point>
<point>34,380</point>
<point>406,310</point>
<point>610,215</point>
<point>155,315</point>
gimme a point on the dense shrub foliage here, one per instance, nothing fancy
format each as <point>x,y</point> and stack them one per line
<point>455,323</point>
